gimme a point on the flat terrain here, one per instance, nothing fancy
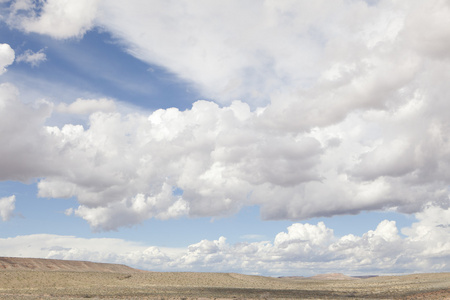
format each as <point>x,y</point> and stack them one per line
<point>54,279</point>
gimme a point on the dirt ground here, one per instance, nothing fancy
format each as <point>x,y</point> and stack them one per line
<point>31,278</point>
<point>32,284</point>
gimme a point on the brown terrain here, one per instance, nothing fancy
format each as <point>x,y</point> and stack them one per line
<point>39,264</point>
<point>29,278</point>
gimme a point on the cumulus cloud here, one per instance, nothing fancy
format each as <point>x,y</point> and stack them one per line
<point>7,56</point>
<point>304,249</point>
<point>33,58</point>
<point>214,155</point>
<point>344,108</point>
<point>212,161</point>
<point>7,206</point>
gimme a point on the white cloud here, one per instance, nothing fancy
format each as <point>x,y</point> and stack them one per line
<point>26,149</point>
<point>234,51</point>
<point>431,235</point>
<point>344,108</point>
<point>257,51</point>
<point>305,249</point>
<point>87,106</point>
<point>59,19</point>
<point>7,206</point>
<point>427,28</point>
<point>229,50</point>
<point>210,153</point>
<point>33,58</point>
<point>124,169</point>
<point>7,56</point>
<point>21,5</point>
<point>352,51</point>
<point>304,233</point>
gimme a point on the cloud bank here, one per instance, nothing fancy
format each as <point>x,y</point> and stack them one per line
<point>212,161</point>
<point>221,158</point>
<point>352,50</point>
<point>304,249</point>
<point>343,108</point>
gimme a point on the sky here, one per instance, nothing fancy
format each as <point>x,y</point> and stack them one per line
<point>270,137</point>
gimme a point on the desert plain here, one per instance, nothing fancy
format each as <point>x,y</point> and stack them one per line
<point>27,278</point>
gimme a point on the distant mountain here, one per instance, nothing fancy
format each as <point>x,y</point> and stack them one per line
<point>40,264</point>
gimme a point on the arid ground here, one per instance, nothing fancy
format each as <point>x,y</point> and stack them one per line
<point>54,279</point>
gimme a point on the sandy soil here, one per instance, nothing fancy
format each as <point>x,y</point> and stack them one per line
<point>35,280</point>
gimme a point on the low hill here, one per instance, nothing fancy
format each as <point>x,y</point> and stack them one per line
<point>32,278</point>
<point>329,276</point>
<point>40,264</point>
<point>332,276</point>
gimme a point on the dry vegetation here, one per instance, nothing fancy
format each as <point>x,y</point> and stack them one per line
<point>53,279</point>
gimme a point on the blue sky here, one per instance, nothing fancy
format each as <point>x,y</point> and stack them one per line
<point>271,138</point>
